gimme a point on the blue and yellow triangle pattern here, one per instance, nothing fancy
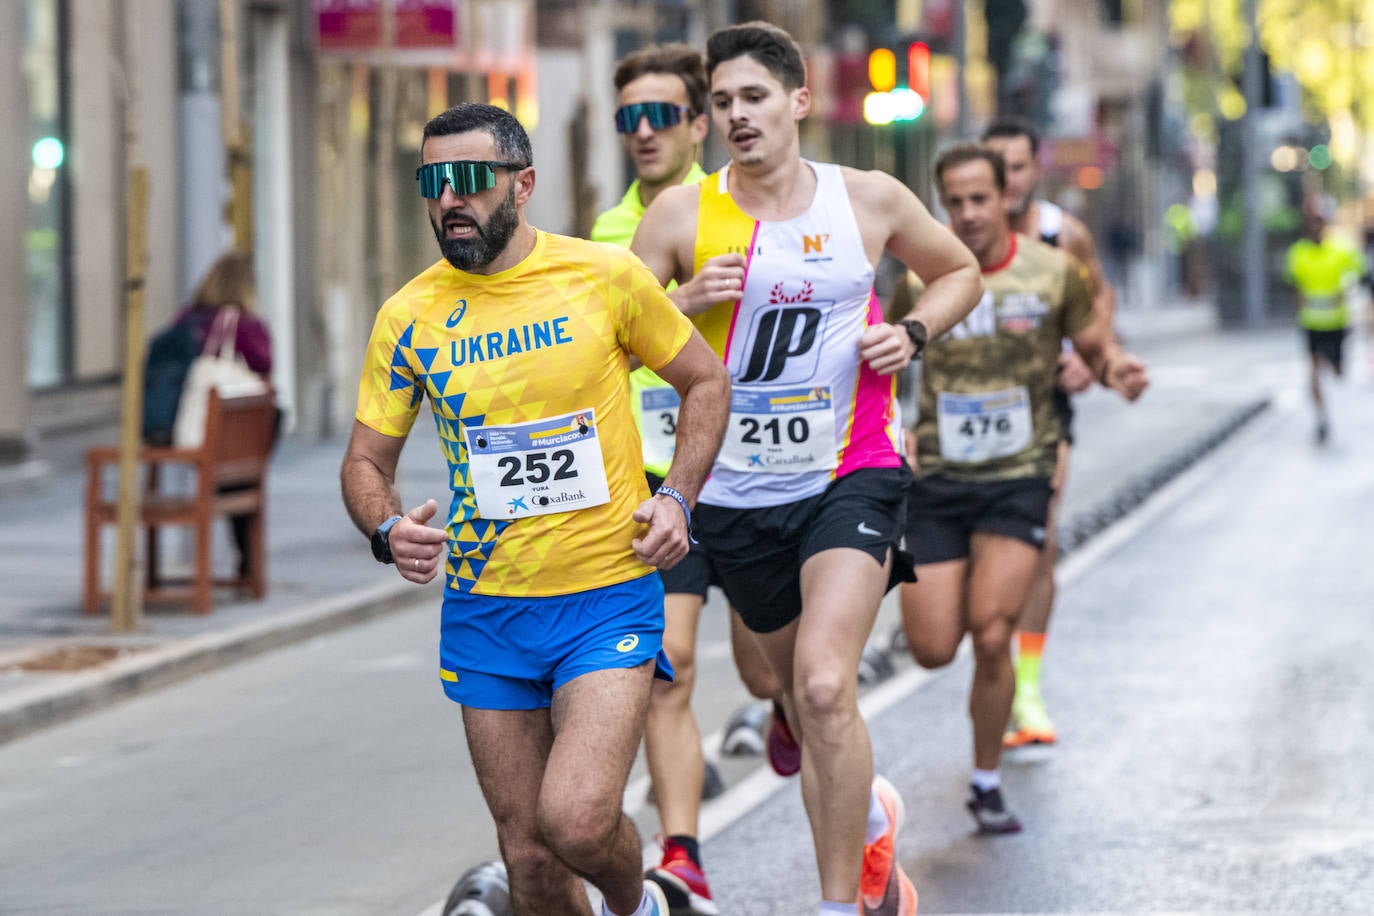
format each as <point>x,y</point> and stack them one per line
<point>549,336</point>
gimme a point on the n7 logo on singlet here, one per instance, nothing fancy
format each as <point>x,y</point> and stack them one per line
<point>777,336</point>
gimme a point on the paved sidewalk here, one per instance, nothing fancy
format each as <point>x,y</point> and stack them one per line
<point>322,575</point>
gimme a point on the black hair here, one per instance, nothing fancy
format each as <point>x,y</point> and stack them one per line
<point>1010,129</point>
<point>772,47</point>
<point>512,142</point>
<point>972,152</point>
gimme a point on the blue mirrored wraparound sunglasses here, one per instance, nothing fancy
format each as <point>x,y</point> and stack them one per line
<point>660,115</point>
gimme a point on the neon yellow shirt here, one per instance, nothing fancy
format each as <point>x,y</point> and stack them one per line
<point>1323,273</point>
<point>617,226</point>
<point>527,374</point>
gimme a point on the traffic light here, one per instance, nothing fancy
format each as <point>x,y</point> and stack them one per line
<point>893,101</point>
<point>918,69</point>
<point>882,69</point>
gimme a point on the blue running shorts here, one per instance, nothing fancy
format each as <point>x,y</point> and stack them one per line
<point>497,652</point>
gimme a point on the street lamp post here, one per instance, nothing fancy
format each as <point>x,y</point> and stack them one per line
<point>1254,268</point>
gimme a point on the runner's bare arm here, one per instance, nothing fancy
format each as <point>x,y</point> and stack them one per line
<point>368,477</point>
<point>368,481</point>
<point>666,242</point>
<point>1075,376</point>
<point>1078,242</point>
<point>892,218</point>
<point>704,386</point>
<point>1123,372</point>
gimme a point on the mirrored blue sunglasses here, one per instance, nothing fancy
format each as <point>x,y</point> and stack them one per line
<point>660,115</point>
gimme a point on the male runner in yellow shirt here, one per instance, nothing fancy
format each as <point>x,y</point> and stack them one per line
<point>552,618</point>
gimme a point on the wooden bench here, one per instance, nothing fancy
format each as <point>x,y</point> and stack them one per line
<point>230,479</point>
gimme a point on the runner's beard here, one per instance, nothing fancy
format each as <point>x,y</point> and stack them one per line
<point>490,241</point>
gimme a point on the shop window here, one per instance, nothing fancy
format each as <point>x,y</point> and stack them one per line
<point>45,233</point>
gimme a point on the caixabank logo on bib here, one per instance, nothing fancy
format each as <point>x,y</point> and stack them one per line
<point>543,500</point>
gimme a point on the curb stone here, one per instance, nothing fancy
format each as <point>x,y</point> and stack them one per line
<point>70,695</point>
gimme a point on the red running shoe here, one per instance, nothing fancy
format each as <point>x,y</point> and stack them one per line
<point>683,883</point>
<point>784,753</point>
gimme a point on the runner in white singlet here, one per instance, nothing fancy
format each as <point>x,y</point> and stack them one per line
<point>774,256</point>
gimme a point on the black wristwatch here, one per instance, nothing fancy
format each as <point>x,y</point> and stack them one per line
<point>918,334</point>
<point>381,540</point>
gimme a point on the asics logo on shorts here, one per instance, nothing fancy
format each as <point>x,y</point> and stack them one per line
<point>864,529</point>
<point>627,644</point>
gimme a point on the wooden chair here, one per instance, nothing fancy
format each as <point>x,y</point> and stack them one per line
<point>230,479</point>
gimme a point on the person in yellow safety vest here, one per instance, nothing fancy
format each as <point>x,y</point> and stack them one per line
<point>1324,267</point>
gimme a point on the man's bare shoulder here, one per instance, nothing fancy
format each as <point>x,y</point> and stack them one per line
<point>676,199</point>
<point>871,187</point>
<point>1075,237</point>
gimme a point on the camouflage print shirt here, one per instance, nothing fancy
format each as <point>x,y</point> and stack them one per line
<point>986,410</point>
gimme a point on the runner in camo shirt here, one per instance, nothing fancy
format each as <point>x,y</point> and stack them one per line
<point>986,439</point>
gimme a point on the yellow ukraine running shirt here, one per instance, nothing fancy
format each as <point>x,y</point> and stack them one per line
<point>527,372</point>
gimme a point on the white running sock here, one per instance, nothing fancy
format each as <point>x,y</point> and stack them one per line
<point>987,780</point>
<point>645,908</point>
<point>832,909</point>
<point>877,818</point>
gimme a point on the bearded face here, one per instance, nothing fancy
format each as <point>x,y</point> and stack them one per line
<point>467,243</point>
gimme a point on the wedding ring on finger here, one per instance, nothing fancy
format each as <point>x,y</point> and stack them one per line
<point>416,561</point>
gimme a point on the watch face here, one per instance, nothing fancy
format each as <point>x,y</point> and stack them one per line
<point>917,333</point>
<point>381,543</point>
<point>379,547</point>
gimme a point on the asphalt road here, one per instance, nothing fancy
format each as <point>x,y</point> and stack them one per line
<point>1207,671</point>
<point>1209,676</point>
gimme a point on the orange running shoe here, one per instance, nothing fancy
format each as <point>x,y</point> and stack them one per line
<point>884,889</point>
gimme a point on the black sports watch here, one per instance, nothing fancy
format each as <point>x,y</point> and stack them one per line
<point>381,540</point>
<point>918,334</point>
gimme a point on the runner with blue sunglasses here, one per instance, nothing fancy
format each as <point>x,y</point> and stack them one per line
<point>661,115</point>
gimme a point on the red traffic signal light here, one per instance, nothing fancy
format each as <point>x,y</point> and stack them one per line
<point>918,69</point>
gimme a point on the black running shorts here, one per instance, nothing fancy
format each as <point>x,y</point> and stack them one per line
<point>1328,345</point>
<point>758,553</point>
<point>942,514</point>
<point>693,574</point>
<point>1063,411</point>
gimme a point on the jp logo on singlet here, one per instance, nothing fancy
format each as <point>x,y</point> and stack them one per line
<point>782,344</point>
